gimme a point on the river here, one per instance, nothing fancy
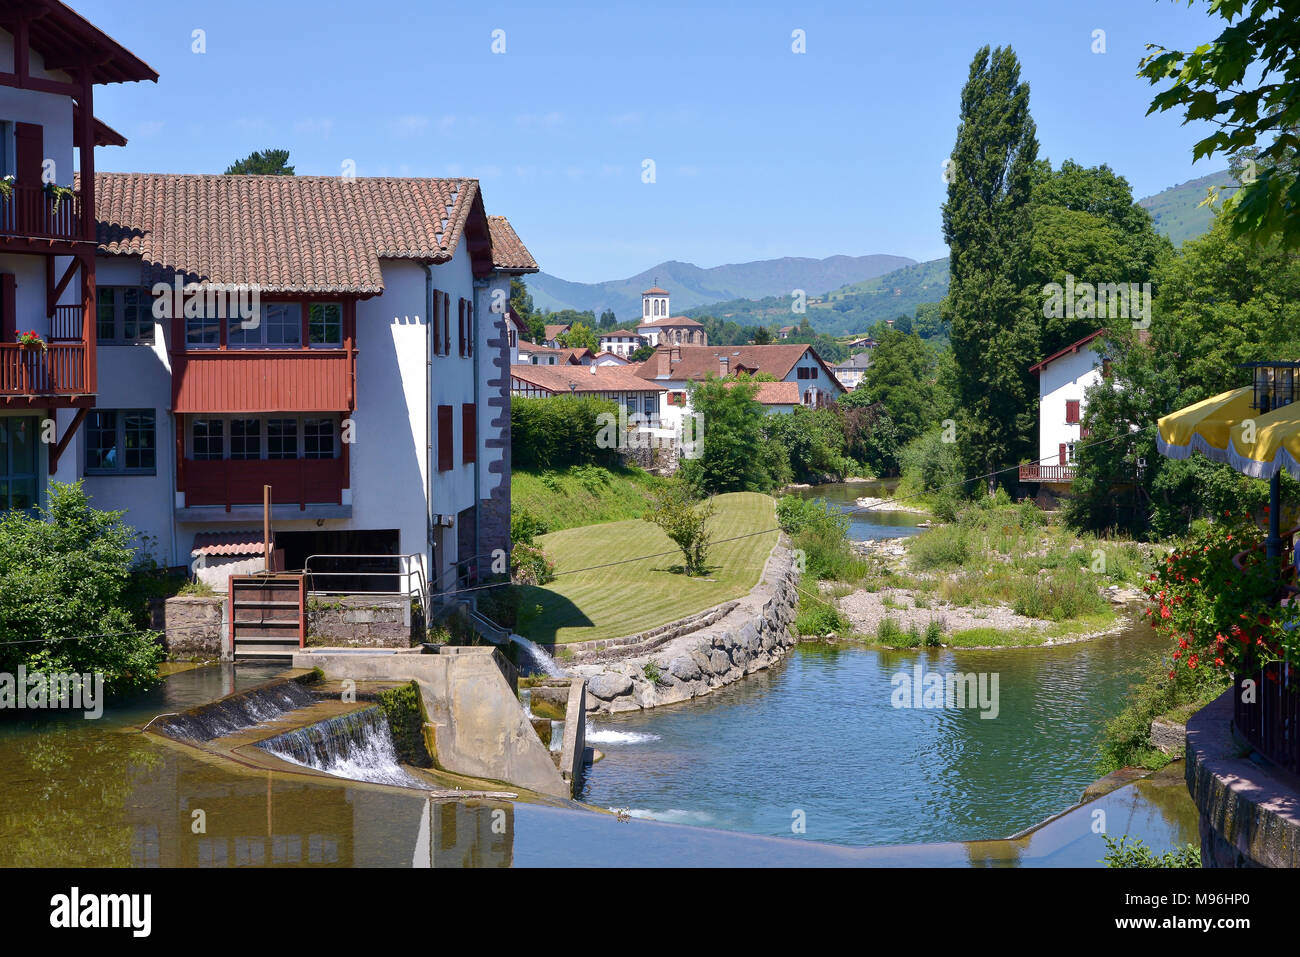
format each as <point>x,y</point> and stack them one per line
<point>817,740</point>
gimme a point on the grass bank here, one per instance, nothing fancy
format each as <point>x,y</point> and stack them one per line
<point>631,593</point>
<point>581,495</point>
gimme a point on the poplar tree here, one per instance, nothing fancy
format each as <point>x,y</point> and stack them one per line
<point>990,305</point>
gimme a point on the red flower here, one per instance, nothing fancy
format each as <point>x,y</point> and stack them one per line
<point>1164,611</point>
<point>1191,662</point>
<point>1171,674</point>
<point>1218,662</point>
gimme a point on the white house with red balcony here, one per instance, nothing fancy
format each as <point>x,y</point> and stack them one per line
<point>1063,379</point>
<point>51,61</point>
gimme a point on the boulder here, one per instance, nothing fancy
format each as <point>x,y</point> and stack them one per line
<point>609,685</point>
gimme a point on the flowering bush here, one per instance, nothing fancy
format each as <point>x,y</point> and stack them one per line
<point>530,566</point>
<point>1220,616</point>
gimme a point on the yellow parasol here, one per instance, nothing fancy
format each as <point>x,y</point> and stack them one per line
<point>1204,427</point>
<point>1264,445</point>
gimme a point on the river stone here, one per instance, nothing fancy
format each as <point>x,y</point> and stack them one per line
<point>719,663</point>
<point>609,685</point>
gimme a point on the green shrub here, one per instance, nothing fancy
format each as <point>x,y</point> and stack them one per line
<point>943,547</point>
<point>1126,740</point>
<point>525,526</point>
<point>818,616</point>
<point>529,565</point>
<point>559,431</point>
<point>889,632</point>
<point>1120,853</point>
<point>69,594</point>
<point>1069,592</point>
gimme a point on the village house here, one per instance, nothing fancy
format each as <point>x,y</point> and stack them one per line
<point>529,353</point>
<point>675,367</point>
<point>852,370</point>
<point>621,342</point>
<point>618,383</point>
<point>1063,379</point>
<point>202,336</point>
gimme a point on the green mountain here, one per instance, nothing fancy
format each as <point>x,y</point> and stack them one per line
<point>850,308</point>
<point>692,286</point>
<point>1177,211</point>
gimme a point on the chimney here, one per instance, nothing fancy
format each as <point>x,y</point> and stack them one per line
<point>664,368</point>
<point>726,366</point>
<point>677,353</point>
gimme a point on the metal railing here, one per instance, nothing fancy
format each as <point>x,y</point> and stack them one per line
<point>411,571</point>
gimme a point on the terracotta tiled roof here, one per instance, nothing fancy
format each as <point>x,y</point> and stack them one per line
<point>655,291</point>
<point>556,330</point>
<point>228,543</point>
<point>698,361</point>
<point>557,379</point>
<point>322,234</point>
<point>778,393</point>
<point>672,321</point>
<point>508,252</point>
<point>1073,347</point>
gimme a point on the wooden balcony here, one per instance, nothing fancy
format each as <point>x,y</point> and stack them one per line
<point>31,213</point>
<point>62,374</point>
<point>256,380</point>
<point>1034,472</point>
<point>232,482</point>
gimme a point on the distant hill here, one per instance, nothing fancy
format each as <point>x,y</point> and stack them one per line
<point>850,308</point>
<point>692,286</point>
<point>1177,211</point>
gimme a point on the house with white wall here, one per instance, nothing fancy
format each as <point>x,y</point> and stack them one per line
<point>51,62</point>
<point>621,342</point>
<point>1063,380</point>
<point>369,388</point>
<point>676,367</point>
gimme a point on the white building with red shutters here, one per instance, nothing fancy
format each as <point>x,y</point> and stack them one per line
<point>1063,379</point>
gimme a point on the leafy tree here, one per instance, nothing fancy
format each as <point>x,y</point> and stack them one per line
<point>580,336</point>
<point>521,303</point>
<point>762,337</point>
<point>987,225</point>
<point>1247,83</point>
<point>641,353</point>
<point>814,442</point>
<point>902,379</point>
<point>685,520</point>
<point>262,163</point>
<point>730,453</point>
<point>608,320</point>
<point>68,594</point>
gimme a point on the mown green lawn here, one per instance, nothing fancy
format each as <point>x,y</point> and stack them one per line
<point>634,596</point>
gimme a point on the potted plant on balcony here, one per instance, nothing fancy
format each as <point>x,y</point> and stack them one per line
<point>7,187</point>
<point>31,341</point>
<point>58,194</point>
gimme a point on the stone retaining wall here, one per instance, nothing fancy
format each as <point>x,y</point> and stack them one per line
<point>359,621</point>
<point>193,628</point>
<point>720,646</point>
<point>1250,811</point>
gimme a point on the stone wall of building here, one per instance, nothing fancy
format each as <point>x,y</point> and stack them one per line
<point>194,628</point>
<point>751,634</point>
<point>494,511</point>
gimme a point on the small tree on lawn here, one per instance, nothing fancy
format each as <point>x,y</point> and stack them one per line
<point>685,520</point>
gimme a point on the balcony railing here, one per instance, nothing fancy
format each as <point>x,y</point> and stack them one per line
<point>61,368</point>
<point>231,482</point>
<point>31,211</point>
<point>1034,472</point>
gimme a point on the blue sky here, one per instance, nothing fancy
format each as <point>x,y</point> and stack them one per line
<point>759,152</point>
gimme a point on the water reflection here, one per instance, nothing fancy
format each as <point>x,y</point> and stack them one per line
<point>867,524</point>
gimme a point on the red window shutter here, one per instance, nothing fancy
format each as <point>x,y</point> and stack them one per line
<point>1063,458</point>
<point>29,154</point>
<point>460,327</point>
<point>446,440</point>
<point>469,432</point>
<point>437,326</point>
<point>1071,411</point>
<point>8,307</point>
<point>469,328</point>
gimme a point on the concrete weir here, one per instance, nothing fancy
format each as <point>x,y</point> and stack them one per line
<point>475,723</point>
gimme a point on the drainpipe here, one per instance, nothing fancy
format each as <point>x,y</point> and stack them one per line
<point>434,577</point>
<point>171,489</point>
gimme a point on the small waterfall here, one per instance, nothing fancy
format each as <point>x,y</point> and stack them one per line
<point>557,735</point>
<point>358,746</point>
<point>236,712</point>
<point>539,659</point>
